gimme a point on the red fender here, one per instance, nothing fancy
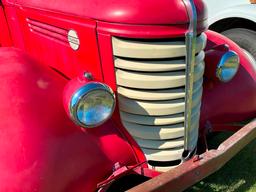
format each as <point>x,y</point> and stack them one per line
<point>41,149</point>
<point>226,103</point>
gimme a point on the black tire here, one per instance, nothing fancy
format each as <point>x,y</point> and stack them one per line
<point>245,38</point>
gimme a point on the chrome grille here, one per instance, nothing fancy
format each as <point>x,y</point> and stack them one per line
<point>151,77</point>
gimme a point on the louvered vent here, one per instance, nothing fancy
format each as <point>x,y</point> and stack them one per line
<point>151,77</point>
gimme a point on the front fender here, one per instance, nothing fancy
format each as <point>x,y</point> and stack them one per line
<point>227,103</point>
<point>41,149</point>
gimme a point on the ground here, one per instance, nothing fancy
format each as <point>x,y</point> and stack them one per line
<point>238,175</point>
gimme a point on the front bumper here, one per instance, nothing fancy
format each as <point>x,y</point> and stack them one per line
<point>201,166</point>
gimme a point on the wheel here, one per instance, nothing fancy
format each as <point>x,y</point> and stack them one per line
<point>245,38</point>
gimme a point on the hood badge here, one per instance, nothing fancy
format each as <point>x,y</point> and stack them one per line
<point>73,39</point>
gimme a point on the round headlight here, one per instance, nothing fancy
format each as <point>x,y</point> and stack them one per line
<point>92,105</point>
<point>228,66</point>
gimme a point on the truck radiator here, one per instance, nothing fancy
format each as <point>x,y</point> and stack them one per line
<point>151,76</point>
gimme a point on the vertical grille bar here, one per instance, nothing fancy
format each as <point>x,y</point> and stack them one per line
<point>190,64</point>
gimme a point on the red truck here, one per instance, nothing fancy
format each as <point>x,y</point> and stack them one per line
<point>117,95</point>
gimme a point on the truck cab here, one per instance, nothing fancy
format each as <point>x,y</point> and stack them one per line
<point>105,95</point>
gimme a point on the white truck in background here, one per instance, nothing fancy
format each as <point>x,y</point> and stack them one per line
<point>235,19</point>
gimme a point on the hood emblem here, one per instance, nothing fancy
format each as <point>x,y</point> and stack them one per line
<point>73,39</point>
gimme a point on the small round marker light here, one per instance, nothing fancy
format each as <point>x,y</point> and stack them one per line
<point>91,104</point>
<point>228,66</point>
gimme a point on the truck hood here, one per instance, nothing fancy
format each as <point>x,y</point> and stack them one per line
<point>152,12</point>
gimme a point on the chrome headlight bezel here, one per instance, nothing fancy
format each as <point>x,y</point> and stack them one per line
<point>81,94</point>
<point>224,64</point>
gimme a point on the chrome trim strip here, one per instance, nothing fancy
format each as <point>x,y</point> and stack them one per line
<point>190,63</point>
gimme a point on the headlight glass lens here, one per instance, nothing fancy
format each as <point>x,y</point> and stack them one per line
<point>95,107</point>
<point>228,66</point>
<point>92,105</point>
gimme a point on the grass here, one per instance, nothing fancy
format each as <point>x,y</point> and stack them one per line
<point>238,175</point>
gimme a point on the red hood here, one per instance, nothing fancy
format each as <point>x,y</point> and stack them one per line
<point>154,12</point>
